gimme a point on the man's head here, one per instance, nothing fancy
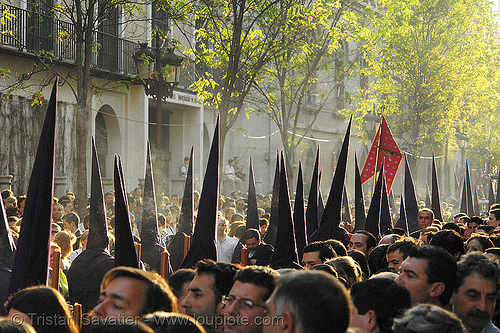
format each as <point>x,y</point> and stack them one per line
<point>472,225</point>
<point>186,160</point>
<point>130,293</point>
<point>57,212</point>
<point>317,253</point>
<point>222,225</point>
<point>429,274</point>
<point>179,283</point>
<point>211,282</point>
<point>449,240</point>
<point>263,225</point>
<point>399,251</point>
<point>477,287</point>
<point>251,239</point>
<point>363,241</point>
<point>376,303</point>
<point>494,217</point>
<point>425,218</point>
<point>240,205</point>
<point>109,199</point>
<point>244,306</point>
<point>308,301</point>
<point>71,221</point>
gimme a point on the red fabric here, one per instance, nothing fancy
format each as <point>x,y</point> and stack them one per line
<point>388,152</point>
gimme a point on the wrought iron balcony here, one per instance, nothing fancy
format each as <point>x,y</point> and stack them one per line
<point>42,34</point>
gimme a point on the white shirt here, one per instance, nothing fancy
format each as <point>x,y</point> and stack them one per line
<point>225,248</point>
<point>229,170</point>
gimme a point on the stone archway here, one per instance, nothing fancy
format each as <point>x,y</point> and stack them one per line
<point>107,139</point>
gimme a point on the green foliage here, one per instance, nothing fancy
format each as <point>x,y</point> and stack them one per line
<point>433,68</point>
<point>301,77</point>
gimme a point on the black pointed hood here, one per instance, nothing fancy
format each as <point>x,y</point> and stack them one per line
<point>373,216</point>
<point>31,261</point>
<point>125,254</point>
<point>359,201</point>
<point>427,195</point>
<point>491,195</point>
<point>329,226</point>
<point>185,225</point>
<point>410,200</point>
<point>312,221</point>
<point>463,198</point>
<point>299,215</point>
<point>98,229</point>
<point>285,252</point>
<point>346,213</point>
<point>402,222</point>
<point>497,199</point>
<point>151,247</point>
<point>270,237</point>
<point>186,218</point>
<point>470,205</point>
<point>203,242</point>
<point>252,213</point>
<point>435,198</point>
<point>385,211</point>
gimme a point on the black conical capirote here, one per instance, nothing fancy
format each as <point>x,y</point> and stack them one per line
<point>359,202</point>
<point>476,201</point>
<point>497,199</point>
<point>373,217</point>
<point>252,212</point>
<point>186,218</point>
<point>299,222</point>
<point>125,254</point>
<point>270,237</point>
<point>31,261</point>
<point>185,225</point>
<point>285,252</point>
<point>491,195</point>
<point>470,204</point>
<point>330,221</point>
<point>427,195</point>
<point>410,200</point>
<point>402,221</point>
<point>385,211</point>
<point>203,242</point>
<point>312,220</point>
<point>435,197</point>
<point>151,247</point>
<point>98,230</point>
<point>346,212</point>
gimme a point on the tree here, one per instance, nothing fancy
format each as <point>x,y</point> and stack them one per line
<point>234,41</point>
<point>314,62</point>
<point>430,64</point>
<point>86,25</point>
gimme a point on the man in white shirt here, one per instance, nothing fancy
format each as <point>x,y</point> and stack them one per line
<point>229,175</point>
<point>225,244</point>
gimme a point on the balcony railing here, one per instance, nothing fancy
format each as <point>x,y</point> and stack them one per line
<point>44,35</point>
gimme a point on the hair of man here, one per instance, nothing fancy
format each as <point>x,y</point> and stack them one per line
<point>159,296</point>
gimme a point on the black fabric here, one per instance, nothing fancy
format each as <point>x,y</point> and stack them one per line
<point>85,276</point>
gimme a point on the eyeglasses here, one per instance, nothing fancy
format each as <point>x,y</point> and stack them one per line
<point>243,303</point>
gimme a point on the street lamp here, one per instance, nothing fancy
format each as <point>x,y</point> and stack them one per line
<point>159,72</point>
<point>371,121</point>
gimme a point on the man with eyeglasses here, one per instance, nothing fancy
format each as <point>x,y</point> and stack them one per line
<point>203,301</point>
<point>244,307</point>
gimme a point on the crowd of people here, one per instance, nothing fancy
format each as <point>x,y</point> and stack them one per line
<point>442,278</point>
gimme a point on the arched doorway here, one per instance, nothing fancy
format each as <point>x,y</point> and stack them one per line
<point>107,139</point>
